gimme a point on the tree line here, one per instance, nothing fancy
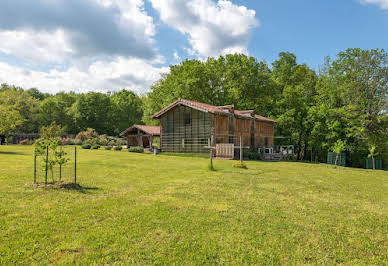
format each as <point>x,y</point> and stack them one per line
<point>344,101</point>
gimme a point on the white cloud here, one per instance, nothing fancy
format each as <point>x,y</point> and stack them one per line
<point>79,45</point>
<point>131,73</point>
<point>47,47</point>
<point>381,3</point>
<point>212,28</point>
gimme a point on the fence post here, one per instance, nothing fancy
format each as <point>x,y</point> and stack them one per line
<point>211,152</point>
<point>60,165</point>
<point>241,149</point>
<point>45,177</point>
<point>35,166</point>
<point>75,164</point>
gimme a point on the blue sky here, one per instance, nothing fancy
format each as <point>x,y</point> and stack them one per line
<point>104,45</point>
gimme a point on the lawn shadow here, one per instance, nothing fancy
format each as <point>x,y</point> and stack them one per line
<point>77,187</point>
<point>11,153</point>
<point>64,186</point>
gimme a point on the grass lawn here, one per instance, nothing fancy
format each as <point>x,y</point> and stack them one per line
<point>145,209</point>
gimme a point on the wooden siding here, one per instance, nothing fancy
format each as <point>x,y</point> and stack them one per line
<point>263,130</point>
<point>185,130</point>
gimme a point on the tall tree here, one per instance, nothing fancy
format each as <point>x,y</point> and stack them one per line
<point>92,110</point>
<point>9,120</point>
<point>126,110</point>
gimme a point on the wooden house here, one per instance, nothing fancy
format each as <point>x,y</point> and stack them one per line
<point>188,127</point>
<point>141,135</point>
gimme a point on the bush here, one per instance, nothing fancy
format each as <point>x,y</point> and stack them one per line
<point>136,149</point>
<point>78,142</point>
<point>26,142</point>
<point>240,165</point>
<point>86,146</point>
<point>51,131</point>
<point>88,134</point>
<point>102,140</point>
<point>108,148</point>
<point>95,147</point>
<point>67,141</point>
<point>118,148</point>
<point>250,155</point>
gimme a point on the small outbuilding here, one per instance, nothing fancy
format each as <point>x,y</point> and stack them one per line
<point>141,135</point>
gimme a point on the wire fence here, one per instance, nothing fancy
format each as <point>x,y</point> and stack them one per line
<point>55,165</point>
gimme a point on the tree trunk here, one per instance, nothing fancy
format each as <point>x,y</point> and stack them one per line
<point>336,158</point>
<point>373,163</point>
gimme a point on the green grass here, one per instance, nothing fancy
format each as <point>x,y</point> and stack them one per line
<point>145,209</point>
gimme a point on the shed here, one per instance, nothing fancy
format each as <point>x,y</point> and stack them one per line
<point>141,135</point>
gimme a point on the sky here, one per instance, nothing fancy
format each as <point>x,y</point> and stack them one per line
<point>108,45</point>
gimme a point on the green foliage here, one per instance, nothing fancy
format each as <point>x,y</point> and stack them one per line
<point>117,148</point>
<point>9,119</point>
<point>95,147</point>
<point>21,107</point>
<point>86,146</point>
<point>251,155</point>
<point>52,153</point>
<point>51,131</point>
<point>127,110</point>
<point>136,149</point>
<point>108,148</point>
<point>339,147</point>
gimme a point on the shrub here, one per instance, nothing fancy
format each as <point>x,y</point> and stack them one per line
<point>78,142</point>
<point>95,147</point>
<point>240,165</point>
<point>108,148</point>
<point>86,146</point>
<point>90,133</point>
<point>51,131</point>
<point>118,148</point>
<point>91,142</point>
<point>250,155</point>
<point>102,140</point>
<point>25,142</point>
<point>67,141</point>
<point>136,149</point>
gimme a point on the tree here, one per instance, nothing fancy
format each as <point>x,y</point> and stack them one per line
<point>361,77</point>
<point>25,105</point>
<point>9,120</point>
<point>296,95</point>
<point>93,110</point>
<point>127,110</point>
<point>51,131</point>
<point>372,154</point>
<point>338,147</point>
<point>57,108</point>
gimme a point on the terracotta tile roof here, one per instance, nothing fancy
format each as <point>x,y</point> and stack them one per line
<point>151,130</point>
<point>212,109</point>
